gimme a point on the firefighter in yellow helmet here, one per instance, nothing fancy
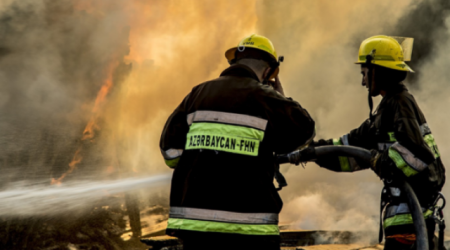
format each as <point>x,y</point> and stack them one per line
<point>399,138</point>
<point>220,141</point>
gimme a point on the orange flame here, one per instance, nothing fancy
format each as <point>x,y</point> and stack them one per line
<point>92,126</point>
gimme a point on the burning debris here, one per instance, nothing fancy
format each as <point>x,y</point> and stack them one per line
<point>97,229</point>
<point>92,125</point>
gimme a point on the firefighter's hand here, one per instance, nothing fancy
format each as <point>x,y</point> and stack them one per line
<point>277,85</point>
<point>305,155</point>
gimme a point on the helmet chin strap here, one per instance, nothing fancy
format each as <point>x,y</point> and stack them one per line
<point>369,82</point>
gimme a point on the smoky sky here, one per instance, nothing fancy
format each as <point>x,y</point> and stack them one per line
<point>425,21</point>
<point>51,66</point>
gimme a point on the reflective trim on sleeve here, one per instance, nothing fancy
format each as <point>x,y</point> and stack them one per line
<point>354,166</point>
<point>409,157</point>
<point>172,156</point>
<point>190,118</point>
<point>224,137</point>
<point>343,161</point>
<point>223,216</point>
<point>228,118</point>
<point>392,137</point>
<point>400,163</point>
<point>424,129</point>
<point>427,136</point>
<point>172,153</point>
<point>222,227</point>
<point>172,163</point>
<point>352,163</point>
<point>344,140</point>
<point>429,139</point>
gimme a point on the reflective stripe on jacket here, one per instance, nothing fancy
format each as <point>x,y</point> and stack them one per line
<point>220,141</point>
<point>396,215</point>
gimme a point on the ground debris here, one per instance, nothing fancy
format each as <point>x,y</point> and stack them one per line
<point>99,228</point>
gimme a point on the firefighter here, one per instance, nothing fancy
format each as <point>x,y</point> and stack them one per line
<point>221,141</point>
<point>400,141</point>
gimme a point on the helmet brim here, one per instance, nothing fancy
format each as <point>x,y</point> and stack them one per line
<point>395,65</point>
<point>230,54</point>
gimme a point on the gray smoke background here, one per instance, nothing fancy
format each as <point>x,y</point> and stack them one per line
<point>55,56</point>
<point>52,65</point>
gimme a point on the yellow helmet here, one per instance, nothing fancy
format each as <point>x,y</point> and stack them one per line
<point>255,42</point>
<point>386,52</point>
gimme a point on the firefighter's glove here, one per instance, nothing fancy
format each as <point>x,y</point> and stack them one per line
<point>375,162</point>
<point>307,154</point>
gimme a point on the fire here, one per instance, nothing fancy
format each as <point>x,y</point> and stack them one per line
<point>76,159</point>
<point>92,126</point>
<point>158,57</point>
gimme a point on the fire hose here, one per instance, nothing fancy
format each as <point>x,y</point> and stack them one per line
<point>364,155</point>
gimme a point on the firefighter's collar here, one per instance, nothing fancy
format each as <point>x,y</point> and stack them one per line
<point>239,70</point>
<point>395,89</point>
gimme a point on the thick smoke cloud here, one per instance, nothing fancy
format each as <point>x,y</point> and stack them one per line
<point>52,64</point>
<point>426,21</point>
<point>173,47</point>
<point>56,57</point>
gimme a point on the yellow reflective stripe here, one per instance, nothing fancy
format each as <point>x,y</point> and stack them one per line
<point>392,137</point>
<point>400,163</point>
<point>429,139</point>
<point>403,219</point>
<point>222,227</point>
<point>224,137</point>
<point>410,159</point>
<point>337,142</point>
<point>343,161</point>
<point>172,163</point>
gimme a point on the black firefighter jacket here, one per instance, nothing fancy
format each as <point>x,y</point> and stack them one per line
<point>400,132</point>
<point>220,141</point>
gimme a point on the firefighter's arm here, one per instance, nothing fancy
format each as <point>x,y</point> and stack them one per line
<point>293,126</point>
<point>173,137</point>
<point>414,147</point>
<point>358,138</point>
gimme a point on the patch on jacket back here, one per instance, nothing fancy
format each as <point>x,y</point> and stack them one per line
<point>224,137</point>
